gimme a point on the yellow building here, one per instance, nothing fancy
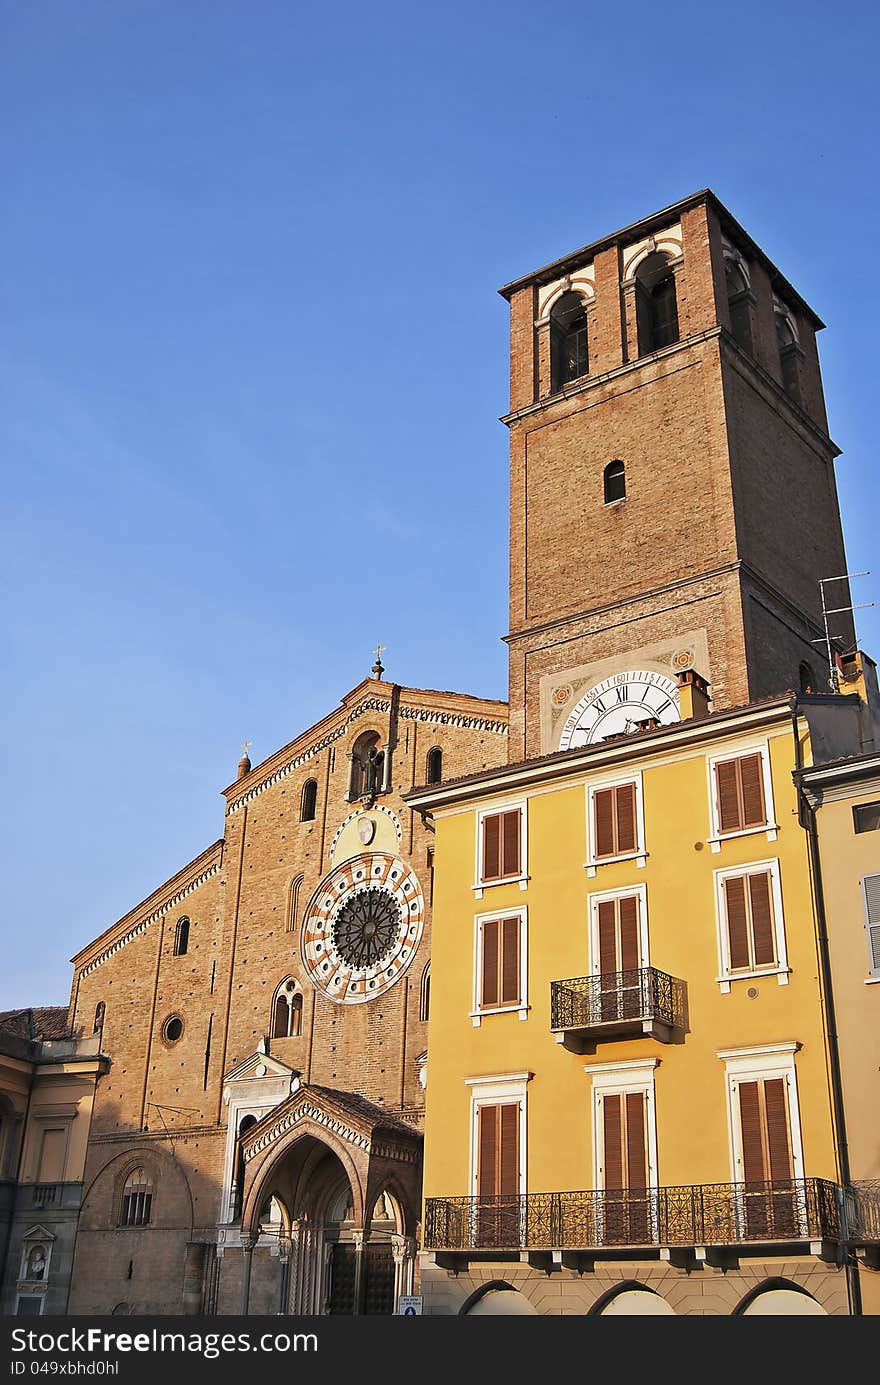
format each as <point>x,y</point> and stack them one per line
<point>844,801</point>
<point>630,1102</point>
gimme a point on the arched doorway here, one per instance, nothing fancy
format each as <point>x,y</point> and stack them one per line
<point>332,1260</point>
<point>498,1300</point>
<point>634,1302</point>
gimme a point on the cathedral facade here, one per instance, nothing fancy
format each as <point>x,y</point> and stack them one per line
<point>256,1143</point>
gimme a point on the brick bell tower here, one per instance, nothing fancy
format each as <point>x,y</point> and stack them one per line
<point>672,492</point>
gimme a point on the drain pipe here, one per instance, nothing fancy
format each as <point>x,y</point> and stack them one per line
<point>807,820</point>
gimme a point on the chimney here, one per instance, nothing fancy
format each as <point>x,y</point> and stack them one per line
<point>693,695</point>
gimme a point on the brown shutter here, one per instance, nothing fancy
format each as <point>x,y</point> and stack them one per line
<point>625,802</point>
<point>491,942</point>
<point>613,1141</point>
<point>508,1179</point>
<point>777,1129</point>
<point>629,932</point>
<point>728,798</point>
<point>510,861</point>
<point>603,808</point>
<point>762,919</point>
<point>754,1168</point>
<point>737,922</point>
<point>510,962</point>
<point>607,937</point>
<point>636,1156</point>
<point>491,847</point>
<point>752,786</point>
<point>488,1149</point>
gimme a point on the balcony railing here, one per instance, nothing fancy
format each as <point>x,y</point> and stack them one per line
<point>863,1211</point>
<point>709,1214</point>
<point>642,999</point>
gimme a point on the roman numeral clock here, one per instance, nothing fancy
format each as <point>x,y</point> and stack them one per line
<point>618,705</point>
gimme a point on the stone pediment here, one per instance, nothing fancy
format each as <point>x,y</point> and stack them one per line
<point>260,1065</point>
<point>346,1115</point>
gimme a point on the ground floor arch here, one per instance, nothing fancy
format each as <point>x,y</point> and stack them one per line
<point>336,1182</point>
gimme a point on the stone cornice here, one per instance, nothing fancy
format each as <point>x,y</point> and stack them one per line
<point>169,895</point>
<point>567,764</point>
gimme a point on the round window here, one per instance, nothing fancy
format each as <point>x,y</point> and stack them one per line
<point>172,1029</point>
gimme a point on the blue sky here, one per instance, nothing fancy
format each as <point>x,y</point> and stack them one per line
<point>252,361</point>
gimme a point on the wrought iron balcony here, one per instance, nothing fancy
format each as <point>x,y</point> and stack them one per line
<point>863,1219</point>
<point>640,1001</point>
<point>709,1214</point>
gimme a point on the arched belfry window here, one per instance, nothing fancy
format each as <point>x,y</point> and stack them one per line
<point>787,344</point>
<point>434,765</point>
<point>181,937</point>
<point>739,300</point>
<point>367,773</point>
<point>287,1008</point>
<point>614,482</point>
<point>309,801</point>
<point>807,679</point>
<point>137,1199</point>
<point>656,304</point>
<point>569,353</point>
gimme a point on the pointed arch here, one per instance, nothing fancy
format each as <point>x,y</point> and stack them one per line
<point>425,992</point>
<point>308,804</point>
<point>293,901</point>
<point>181,937</point>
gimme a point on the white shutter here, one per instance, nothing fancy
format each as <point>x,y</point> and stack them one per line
<point>872,910</point>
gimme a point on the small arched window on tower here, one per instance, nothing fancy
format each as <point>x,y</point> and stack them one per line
<point>435,765</point>
<point>806,679</point>
<point>137,1199</point>
<point>181,937</point>
<point>309,801</point>
<point>739,300</point>
<point>367,773</point>
<point>656,304</point>
<point>569,355</point>
<point>425,993</point>
<point>789,351</point>
<point>614,482</point>
<point>287,1008</point>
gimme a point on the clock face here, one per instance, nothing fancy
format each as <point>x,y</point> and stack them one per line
<point>362,927</point>
<point>614,706</point>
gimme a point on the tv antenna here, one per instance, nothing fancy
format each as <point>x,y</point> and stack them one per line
<point>833,671</point>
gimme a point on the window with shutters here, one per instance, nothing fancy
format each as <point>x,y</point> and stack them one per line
<point>871,889</point>
<point>498,1156</point>
<point>616,829</point>
<point>501,847</point>
<point>766,1153</point>
<point>625,1143</point>
<point>500,964</point>
<point>741,796</point>
<point>751,935</point>
<point>619,949</point>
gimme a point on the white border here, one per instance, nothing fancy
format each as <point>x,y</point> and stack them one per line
<point>493,1091</point>
<point>480,1011</point>
<point>758,1062</point>
<point>640,855</point>
<point>770,826</point>
<point>617,1079</point>
<point>593,902</point>
<point>873,972</point>
<point>781,970</point>
<point>522,879</point>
